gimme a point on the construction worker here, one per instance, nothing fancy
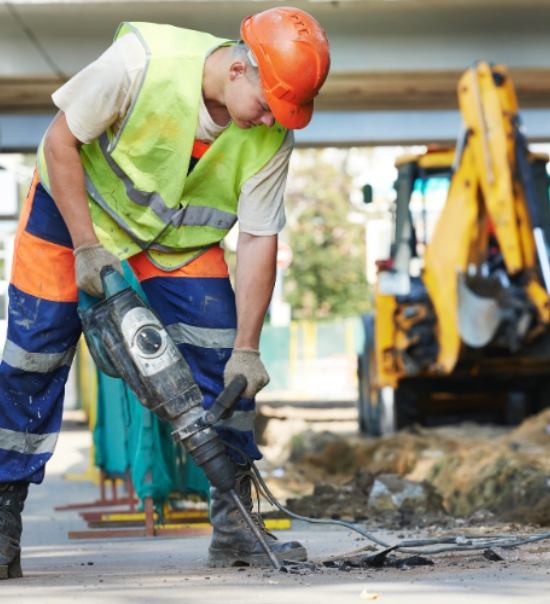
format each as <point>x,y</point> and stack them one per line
<point>158,148</point>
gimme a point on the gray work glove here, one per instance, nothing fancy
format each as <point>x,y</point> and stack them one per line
<point>90,259</point>
<point>245,361</point>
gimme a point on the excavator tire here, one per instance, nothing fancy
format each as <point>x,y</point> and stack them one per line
<point>371,410</point>
<point>405,408</point>
<point>368,410</point>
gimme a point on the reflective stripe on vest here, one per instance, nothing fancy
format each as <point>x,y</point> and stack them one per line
<point>189,216</point>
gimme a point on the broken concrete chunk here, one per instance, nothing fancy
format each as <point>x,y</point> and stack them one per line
<point>364,481</point>
<point>490,554</point>
<point>395,562</point>
<point>383,558</point>
<point>391,492</point>
<point>378,559</point>
<point>298,568</point>
<point>321,490</point>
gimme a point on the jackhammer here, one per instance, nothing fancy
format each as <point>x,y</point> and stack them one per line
<point>127,340</point>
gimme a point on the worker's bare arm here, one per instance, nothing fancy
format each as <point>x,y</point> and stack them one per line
<point>67,182</point>
<point>255,278</point>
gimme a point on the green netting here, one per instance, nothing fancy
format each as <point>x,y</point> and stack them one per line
<point>110,440</point>
<point>129,436</point>
<point>275,344</point>
<point>311,340</point>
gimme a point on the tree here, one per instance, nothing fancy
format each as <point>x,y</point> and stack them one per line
<point>326,279</point>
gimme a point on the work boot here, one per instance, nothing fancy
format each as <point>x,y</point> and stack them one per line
<point>12,501</point>
<point>233,543</point>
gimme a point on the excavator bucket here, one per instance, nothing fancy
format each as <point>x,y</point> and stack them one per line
<point>478,317</point>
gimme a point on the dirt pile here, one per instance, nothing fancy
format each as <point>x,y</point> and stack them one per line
<point>470,468</point>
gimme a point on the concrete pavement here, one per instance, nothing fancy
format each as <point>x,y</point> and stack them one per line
<point>165,570</point>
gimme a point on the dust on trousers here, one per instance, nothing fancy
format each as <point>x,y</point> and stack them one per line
<point>196,303</point>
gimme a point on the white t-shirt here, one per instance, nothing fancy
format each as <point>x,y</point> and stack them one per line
<point>100,95</point>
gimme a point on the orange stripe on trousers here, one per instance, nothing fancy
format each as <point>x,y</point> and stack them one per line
<point>41,268</point>
<point>44,269</point>
<point>209,264</point>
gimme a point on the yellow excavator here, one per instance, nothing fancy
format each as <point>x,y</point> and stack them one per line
<point>461,322</point>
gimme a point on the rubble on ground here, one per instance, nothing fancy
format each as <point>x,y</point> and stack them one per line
<point>379,560</point>
<point>391,493</point>
<point>424,476</point>
<point>389,500</point>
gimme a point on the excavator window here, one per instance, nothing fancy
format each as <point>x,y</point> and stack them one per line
<point>426,204</point>
<point>421,195</point>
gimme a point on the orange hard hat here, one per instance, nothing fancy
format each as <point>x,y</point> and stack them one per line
<point>292,53</point>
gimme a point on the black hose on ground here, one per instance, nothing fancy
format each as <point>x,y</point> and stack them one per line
<point>462,543</point>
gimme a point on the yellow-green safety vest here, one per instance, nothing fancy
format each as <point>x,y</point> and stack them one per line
<point>140,194</point>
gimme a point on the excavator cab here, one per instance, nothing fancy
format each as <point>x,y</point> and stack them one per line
<point>421,187</point>
<point>461,327</point>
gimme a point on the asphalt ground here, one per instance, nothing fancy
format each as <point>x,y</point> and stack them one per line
<point>173,569</point>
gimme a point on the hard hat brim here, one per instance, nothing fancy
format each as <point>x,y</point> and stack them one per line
<point>288,114</point>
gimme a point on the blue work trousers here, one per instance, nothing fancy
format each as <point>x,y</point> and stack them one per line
<point>196,301</point>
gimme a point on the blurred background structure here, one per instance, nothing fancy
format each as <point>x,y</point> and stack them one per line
<point>395,67</point>
<point>395,63</point>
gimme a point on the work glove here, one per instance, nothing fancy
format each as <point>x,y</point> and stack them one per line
<point>245,361</point>
<point>90,259</point>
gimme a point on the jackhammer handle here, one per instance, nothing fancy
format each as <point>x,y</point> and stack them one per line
<point>223,407</point>
<point>112,283</point>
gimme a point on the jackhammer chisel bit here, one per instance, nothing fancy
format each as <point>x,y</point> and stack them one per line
<point>127,339</point>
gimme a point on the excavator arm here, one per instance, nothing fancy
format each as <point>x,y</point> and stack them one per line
<point>475,319</point>
<point>490,216</point>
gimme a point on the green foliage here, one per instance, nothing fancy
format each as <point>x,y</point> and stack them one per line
<point>326,279</point>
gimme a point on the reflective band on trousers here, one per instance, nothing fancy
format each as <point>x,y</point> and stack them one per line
<point>177,217</point>
<point>24,442</point>
<point>36,362</point>
<point>204,337</point>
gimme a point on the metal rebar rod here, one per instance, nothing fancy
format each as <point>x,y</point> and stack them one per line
<point>254,528</point>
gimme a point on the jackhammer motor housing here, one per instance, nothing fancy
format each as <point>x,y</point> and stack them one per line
<point>127,340</point>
